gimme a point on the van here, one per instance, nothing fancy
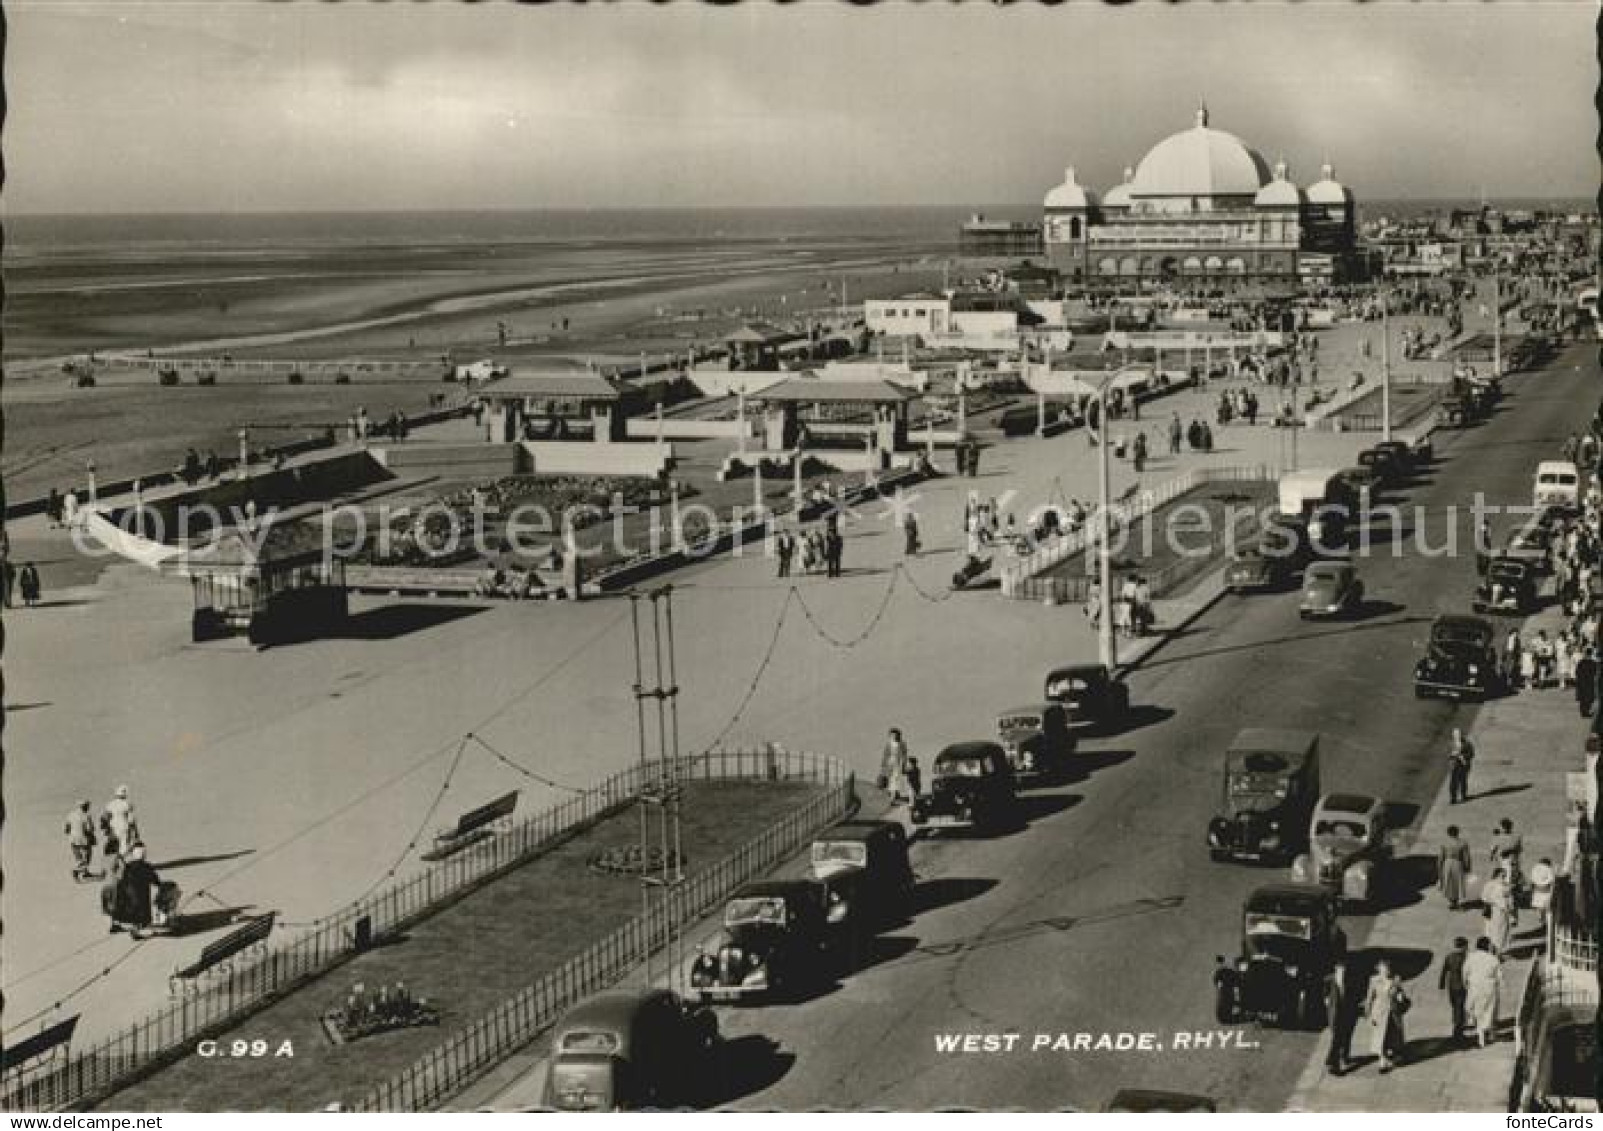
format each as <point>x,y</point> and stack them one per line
<point>1558,484</point>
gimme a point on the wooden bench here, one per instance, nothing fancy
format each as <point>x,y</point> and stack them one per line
<point>216,953</point>
<point>397,580</point>
<point>472,827</point>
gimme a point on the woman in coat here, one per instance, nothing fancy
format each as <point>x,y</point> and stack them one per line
<point>1384,1004</point>
<point>135,884</point>
<point>1499,900</point>
<point>1483,983</point>
<point>1452,866</point>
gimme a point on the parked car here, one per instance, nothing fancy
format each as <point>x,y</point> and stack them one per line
<point>1271,779</point>
<point>1406,457</point>
<point>866,863</point>
<point>1381,463</point>
<point>1364,482</point>
<point>1289,538</point>
<point>971,786</point>
<point>1290,939</point>
<point>1531,543</point>
<point>1147,1101</point>
<point>1091,693</point>
<point>1037,739</point>
<point>777,934</point>
<point>1508,587</point>
<point>1457,411</point>
<point>1460,660</point>
<point>626,1050</point>
<point>1330,589</point>
<point>1558,485</point>
<point>1347,846</point>
<point>1252,570</point>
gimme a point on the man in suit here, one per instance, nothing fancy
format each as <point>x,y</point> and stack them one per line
<point>1451,979</point>
<point>1341,1014</point>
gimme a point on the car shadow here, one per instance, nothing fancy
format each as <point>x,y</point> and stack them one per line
<point>877,950</point>
<point>1138,716</point>
<point>748,1065</point>
<point>1403,883</point>
<point>1368,609</point>
<point>1400,814</point>
<point>945,891</point>
<point>1038,806</point>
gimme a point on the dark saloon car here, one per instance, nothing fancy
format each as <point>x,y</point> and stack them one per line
<point>1037,739</point>
<point>971,786</point>
<point>1091,693</point>
<point>1460,661</point>
<point>777,934</point>
<point>1287,537</point>
<point>1508,587</point>
<point>1330,589</point>
<point>1271,780</point>
<point>1382,463</point>
<point>626,1050</point>
<point>866,864</point>
<point>1252,570</point>
<point>1405,457</point>
<point>1289,941</point>
<point>1146,1101</point>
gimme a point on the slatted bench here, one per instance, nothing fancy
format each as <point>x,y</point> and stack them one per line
<point>472,827</point>
<point>218,952</point>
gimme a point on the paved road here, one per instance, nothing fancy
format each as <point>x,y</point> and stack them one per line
<point>1104,915</point>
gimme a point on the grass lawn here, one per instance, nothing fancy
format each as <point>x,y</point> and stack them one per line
<point>467,959</point>
<point>1164,546</point>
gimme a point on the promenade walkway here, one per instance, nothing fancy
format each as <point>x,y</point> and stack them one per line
<point>295,779</point>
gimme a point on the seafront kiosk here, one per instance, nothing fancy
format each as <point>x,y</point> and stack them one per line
<point>552,405</point>
<point>274,586</point>
<point>757,345</point>
<point>867,412</point>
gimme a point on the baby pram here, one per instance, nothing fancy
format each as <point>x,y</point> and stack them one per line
<point>164,917</point>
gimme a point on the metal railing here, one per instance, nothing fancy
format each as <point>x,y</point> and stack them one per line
<point>224,997</point>
<point>475,1049</point>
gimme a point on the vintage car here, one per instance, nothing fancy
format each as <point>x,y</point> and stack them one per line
<point>1363,481</point>
<point>1330,589</point>
<point>1271,778</point>
<point>626,1050</point>
<point>1289,941</point>
<point>1037,739</point>
<point>1252,569</point>
<point>777,935</point>
<point>1508,587</point>
<point>971,786</point>
<point>1460,660</point>
<point>1146,1100</point>
<point>1091,692</point>
<point>1404,456</point>
<point>1531,543</point>
<point>866,864</point>
<point>1382,464</point>
<point>1288,537</point>
<point>1347,846</point>
<point>1458,410</point>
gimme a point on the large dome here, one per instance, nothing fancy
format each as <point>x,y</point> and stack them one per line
<point>1328,190</point>
<point>1200,162</point>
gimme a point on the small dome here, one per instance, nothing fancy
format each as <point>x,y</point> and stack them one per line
<point>1328,190</point>
<point>1119,195</point>
<point>1200,161</point>
<point>1070,194</point>
<point>1280,192</point>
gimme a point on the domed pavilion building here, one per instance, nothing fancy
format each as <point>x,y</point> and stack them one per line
<point>1202,207</point>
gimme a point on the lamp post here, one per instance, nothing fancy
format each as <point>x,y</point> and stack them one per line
<point>1107,645</point>
<point>93,487</point>
<point>1497,322</point>
<point>244,453</point>
<point>1385,365</point>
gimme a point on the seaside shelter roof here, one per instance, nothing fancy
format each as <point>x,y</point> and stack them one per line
<point>522,384</point>
<point>282,545</point>
<point>812,390</point>
<point>760,334</point>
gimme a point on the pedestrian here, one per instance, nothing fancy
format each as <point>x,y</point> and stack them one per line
<point>1384,1005</point>
<point>69,509</point>
<point>80,830</point>
<point>1341,1015</point>
<point>1175,432</point>
<point>134,882</point>
<point>1453,862</point>
<point>1483,983</point>
<point>118,824</point>
<point>974,461</point>
<point>893,764</point>
<point>1451,980</point>
<point>915,778</point>
<point>8,582</point>
<point>1497,904</point>
<point>785,549</point>
<point>1093,601</point>
<point>53,507</point>
<point>1542,649</point>
<point>29,582</point>
<point>1460,756</point>
<point>1507,847</point>
<point>1513,650</point>
<point>910,535</point>
<point>834,544</point>
<point>1542,879</point>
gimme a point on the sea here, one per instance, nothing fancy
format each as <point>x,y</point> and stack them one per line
<point>33,236</point>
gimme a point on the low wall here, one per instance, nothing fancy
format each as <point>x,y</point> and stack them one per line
<point>648,427</point>
<point>309,482</point>
<point>458,461</point>
<point>714,381</point>
<point>553,457</point>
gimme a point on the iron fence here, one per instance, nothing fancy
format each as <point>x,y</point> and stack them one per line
<point>474,1050</point>
<point>221,999</point>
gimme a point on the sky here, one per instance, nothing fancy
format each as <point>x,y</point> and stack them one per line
<point>233,105</point>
